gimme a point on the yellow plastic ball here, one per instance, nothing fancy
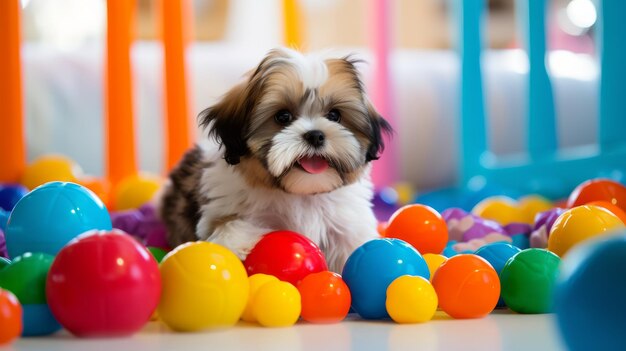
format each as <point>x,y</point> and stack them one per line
<point>531,205</point>
<point>406,193</point>
<point>434,261</point>
<point>578,224</point>
<point>501,209</point>
<point>411,299</point>
<point>256,282</point>
<point>277,304</point>
<point>134,191</point>
<point>204,285</point>
<point>50,168</point>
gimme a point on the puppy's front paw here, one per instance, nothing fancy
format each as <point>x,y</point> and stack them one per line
<point>238,236</point>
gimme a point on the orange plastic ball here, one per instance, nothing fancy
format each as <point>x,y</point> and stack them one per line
<point>467,286</point>
<point>421,226</point>
<point>325,298</point>
<point>381,228</point>
<point>99,187</point>
<point>10,317</point>
<point>598,190</point>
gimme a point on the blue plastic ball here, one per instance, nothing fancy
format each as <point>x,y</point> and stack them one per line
<point>497,254</point>
<point>38,320</point>
<point>10,194</point>
<point>4,218</point>
<point>589,298</point>
<point>522,241</point>
<point>51,215</point>
<point>449,250</point>
<point>373,266</point>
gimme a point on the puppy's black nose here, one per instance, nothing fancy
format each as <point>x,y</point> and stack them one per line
<point>315,137</point>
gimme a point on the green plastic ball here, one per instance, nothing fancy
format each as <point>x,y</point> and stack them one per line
<point>157,253</point>
<point>528,279</point>
<point>26,277</point>
<point>4,262</point>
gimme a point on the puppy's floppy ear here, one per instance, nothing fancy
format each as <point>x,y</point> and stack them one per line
<point>378,126</point>
<point>228,120</point>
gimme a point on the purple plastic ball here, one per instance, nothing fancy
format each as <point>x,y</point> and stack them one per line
<point>3,245</point>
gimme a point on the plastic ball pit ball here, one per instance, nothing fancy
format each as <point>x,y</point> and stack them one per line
<point>497,254</point>
<point>134,191</point>
<point>434,261</point>
<point>598,190</point>
<point>204,285</point>
<point>50,168</point>
<point>325,297</point>
<point>100,187</point>
<point>10,317</point>
<point>614,209</point>
<point>26,278</point>
<point>103,284</point>
<point>50,216</point>
<point>4,218</point>
<point>532,205</point>
<point>10,194</point>
<point>467,286</point>
<point>256,282</point>
<point>578,224</point>
<point>4,262</point>
<point>421,226</point>
<point>589,295</point>
<point>501,209</point>
<point>287,255</point>
<point>373,266</point>
<point>277,304</point>
<point>157,252</point>
<point>528,280</point>
<point>411,299</point>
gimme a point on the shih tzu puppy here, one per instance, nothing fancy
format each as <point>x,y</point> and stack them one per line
<point>288,149</point>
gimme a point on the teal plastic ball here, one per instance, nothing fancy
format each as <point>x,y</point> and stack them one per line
<point>373,266</point>
<point>51,215</point>
<point>589,298</point>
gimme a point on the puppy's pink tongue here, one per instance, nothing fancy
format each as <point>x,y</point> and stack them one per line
<point>314,164</point>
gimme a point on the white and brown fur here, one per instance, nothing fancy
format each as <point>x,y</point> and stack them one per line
<point>245,180</point>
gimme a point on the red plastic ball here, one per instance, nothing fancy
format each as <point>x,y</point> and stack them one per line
<point>467,286</point>
<point>421,226</point>
<point>287,255</point>
<point>325,298</point>
<point>10,317</point>
<point>598,190</point>
<point>103,284</point>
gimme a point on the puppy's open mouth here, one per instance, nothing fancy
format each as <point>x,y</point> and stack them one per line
<point>314,164</point>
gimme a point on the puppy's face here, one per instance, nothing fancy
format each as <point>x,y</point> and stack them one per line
<point>298,123</point>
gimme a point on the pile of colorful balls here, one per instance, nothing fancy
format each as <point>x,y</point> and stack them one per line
<point>75,265</point>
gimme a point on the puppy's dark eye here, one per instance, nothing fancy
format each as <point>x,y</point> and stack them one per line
<point>283,117</point>
<point>334,115</point>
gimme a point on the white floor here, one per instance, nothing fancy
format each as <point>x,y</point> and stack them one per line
<point>502,330</point>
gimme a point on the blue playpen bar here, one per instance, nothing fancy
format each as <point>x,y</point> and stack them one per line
<point>543,168</point>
